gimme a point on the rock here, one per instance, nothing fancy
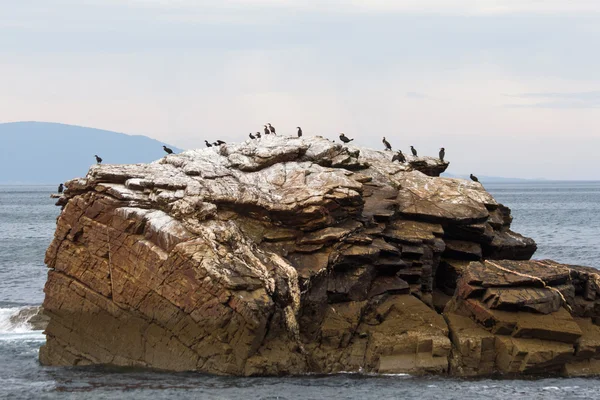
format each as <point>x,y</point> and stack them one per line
<point>33,316</point>
<point>474,351</point>
<point>545,301</point>
<point>300,255</point>
<point>462,250</point>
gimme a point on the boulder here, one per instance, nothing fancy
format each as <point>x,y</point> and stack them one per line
<point>288,255</point>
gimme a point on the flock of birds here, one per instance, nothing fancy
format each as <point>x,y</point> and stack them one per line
<point>270,130</point>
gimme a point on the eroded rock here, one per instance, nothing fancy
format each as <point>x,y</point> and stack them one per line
<point>294,255</point>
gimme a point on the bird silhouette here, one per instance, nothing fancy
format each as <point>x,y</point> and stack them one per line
<point>60,188</point>
<point>344,138</point>
<point>414,151</point>
<point>399,156</point>
<point>251,136</point>
<point>267,131</point>
<point>207,144</point>
<point>442,154</point>
<point>299,131</point>
<point>98,159</point>
<point>387,144</point>
<point>168,150</point>
<point>272,128</point>
<point>474,178</point>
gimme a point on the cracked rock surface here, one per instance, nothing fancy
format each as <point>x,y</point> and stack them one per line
<point>288,255</point>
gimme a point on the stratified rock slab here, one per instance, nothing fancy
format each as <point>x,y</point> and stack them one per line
<point>293,255</point>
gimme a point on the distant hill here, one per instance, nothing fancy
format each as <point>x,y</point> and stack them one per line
<point>43,152</point>
<point>492,179</point>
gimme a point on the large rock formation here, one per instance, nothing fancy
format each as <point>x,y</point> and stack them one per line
<point>293,255</point>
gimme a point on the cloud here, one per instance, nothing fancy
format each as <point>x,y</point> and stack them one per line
<point>451,7</point>
<point>416,95</point>
<point>590,99</point>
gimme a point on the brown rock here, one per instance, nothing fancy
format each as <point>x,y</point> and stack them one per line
<point>544,301</point>
<point>297,255</point>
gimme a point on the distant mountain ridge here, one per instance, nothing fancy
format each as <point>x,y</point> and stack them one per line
<point>47,152</point>
<point>493,179</point>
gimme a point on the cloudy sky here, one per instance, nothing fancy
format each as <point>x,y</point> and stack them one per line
<point>510,88</point>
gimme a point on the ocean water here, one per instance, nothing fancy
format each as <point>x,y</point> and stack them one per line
<point>563,217</point>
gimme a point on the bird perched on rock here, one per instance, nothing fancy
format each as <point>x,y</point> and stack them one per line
<point>442,154</point>
<point>258,135</point>
<point>168,150</point>
<point>207,144</point>
<point>414,151</point>
<point>474,178</point>
<point>60,188</point>
<point>387,144</point>
<point>219,142</point>
<point>272,128</point>
<point>299,131</point>
<point>215,143</point>
<point>399,156</point>
<point>267,132</point>
<point>344,139</point>
<point>251,136</point>
<point>98,159</point>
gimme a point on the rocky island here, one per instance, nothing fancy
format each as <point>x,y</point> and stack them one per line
<point>288,255</point>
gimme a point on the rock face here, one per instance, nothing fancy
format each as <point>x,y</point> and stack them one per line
<point>293,255</point>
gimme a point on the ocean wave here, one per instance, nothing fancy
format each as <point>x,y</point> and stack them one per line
<point>13,320</point>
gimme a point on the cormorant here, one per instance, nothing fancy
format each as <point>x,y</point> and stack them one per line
<point>60,188</point>
<point>272,128</point>
<point>442,154</point>
<point>168,150</point>
<point>414,151</point>
<point>474,178</point>
<point>251,136</point>
<point>220,142</point>
<point>258,135</point>
<point>98,159</point>
<point>299,131</point>
<point>344,139</point>
<point>387,144</point>
<point>399,156</point>
<point>215,143</point>
<point>207,144</point>
<point>267,132</point>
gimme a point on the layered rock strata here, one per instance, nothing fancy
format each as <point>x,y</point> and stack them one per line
<point>294,255</point>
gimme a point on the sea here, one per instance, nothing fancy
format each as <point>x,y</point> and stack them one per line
<point>563,217</point>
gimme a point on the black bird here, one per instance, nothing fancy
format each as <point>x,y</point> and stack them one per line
<point>387,144</point>
<point>474,178</point>
<point>272,128</point>
<point>98,159</point>
<point>168,150</point>
<point>220,142</point>
<point>267,132</point>
<point>60,188</point>
<point>344,139</point>
<point>399,156</point>
<point>299,131</point>
<point>207,144</point>
<point>442,154</point>
<point>215,143</point>
<point>414,151</point>
<point>251,136</point>
<point>258,135</point>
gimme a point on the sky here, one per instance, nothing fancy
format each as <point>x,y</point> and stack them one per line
<point>509,88</point>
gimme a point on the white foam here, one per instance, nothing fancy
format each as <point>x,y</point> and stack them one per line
<point>10,325</point>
